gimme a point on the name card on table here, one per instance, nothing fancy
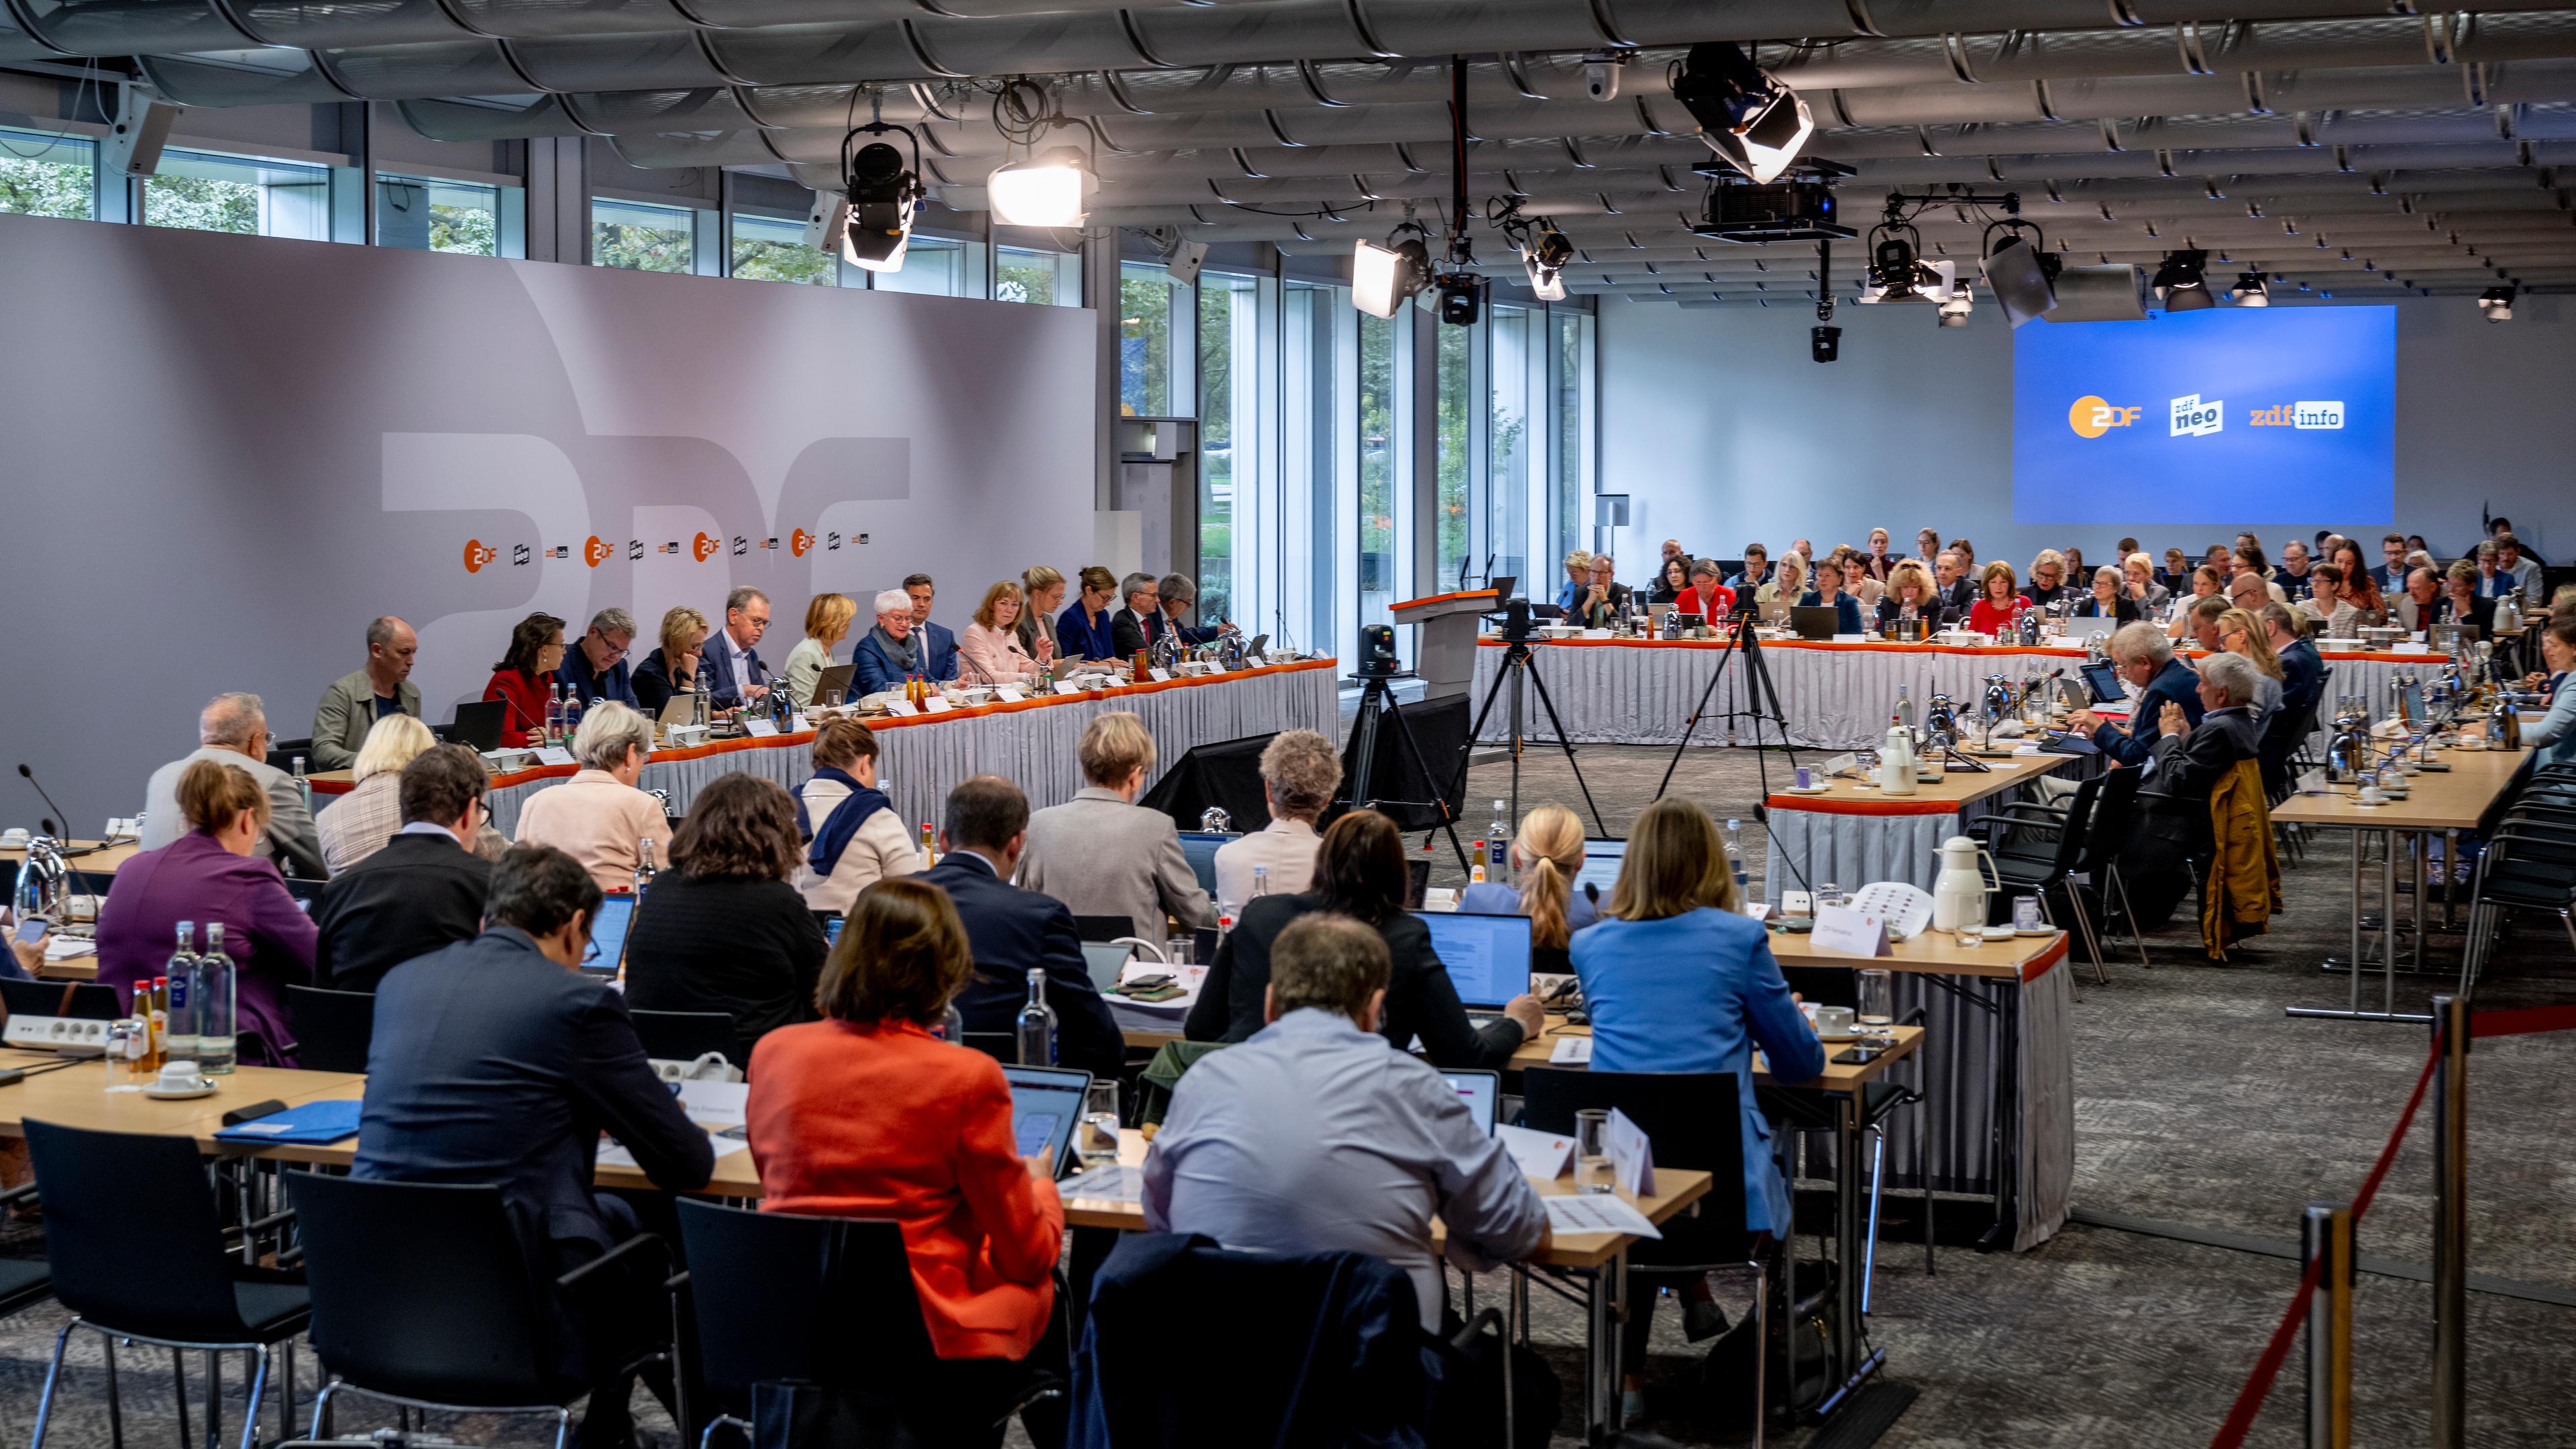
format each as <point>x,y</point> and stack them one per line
<point>1067,686</point>
<point>1571,1051</point>
<point>555,755</point>
<point>900,707</point>
<point>1632,1157</point>
<point>935,704</point>
<point>1842,928</point>
<point>1542,1155</point>
<point>1159,676</point>
<point>760,729</point>
<point>1008,693</point>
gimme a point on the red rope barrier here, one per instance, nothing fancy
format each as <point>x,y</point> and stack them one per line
<point>2522,1022</point>
<point>2258,1385</point>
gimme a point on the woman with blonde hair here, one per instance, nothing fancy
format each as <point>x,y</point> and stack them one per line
<point>2047,578</point>
<point>1547,854</point>
<point>358,824</point>
<point>1788,581</point>
<point>1042,592</point>
<point>827,622</point>
<point>2239,632</point>
<point>1910,596</point>
<point>672,667</point>
<point>990,651</point>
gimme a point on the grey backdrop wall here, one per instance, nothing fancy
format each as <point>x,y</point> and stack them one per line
<point>1722,430</point>
<point>221,456</point>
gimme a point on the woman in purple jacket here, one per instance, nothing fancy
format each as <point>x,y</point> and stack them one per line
<point>209,875</point>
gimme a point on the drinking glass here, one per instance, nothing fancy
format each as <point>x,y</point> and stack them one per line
<point>1877,998</point>
<point>1592,1148</point>
<point>1096,1140</point>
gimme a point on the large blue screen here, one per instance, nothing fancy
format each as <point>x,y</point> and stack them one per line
<point>2229,415</point>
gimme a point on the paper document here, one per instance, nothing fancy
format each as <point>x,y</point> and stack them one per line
<point>555,755</point>
<point>1543,1155</point>
<point>1570,1051</point>
<point>934,704</point>
<point>1596,1212</point>
<point>1632,1157</point>
<point>1113,1183</point>
<point>613,1153</point>
<point>715,1104</point>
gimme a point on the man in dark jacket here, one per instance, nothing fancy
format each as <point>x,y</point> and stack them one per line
<point>424,889</point>
<point>2187,761</point>
<point>1013,931</point>
<point>496,1061</point>
<point>2145,658</point>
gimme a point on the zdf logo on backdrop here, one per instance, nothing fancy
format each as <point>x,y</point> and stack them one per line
<point>477,554</point>
<point>2091,417</point>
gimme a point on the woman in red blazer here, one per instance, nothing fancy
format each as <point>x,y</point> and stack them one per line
<point>1997,606</point>
<point>536,651</point>
<point>865,1114</point>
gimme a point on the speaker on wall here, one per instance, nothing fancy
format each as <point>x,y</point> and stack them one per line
<point>828,221</point>
<point>142,127</point>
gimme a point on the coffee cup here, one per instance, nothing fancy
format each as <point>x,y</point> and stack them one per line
<point>14,838</point>
<point>180,1077</point>
<point>1833,1020</point>
<point>2373,795</point>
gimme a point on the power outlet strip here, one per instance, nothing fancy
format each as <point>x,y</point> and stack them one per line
<point>72,1036</point>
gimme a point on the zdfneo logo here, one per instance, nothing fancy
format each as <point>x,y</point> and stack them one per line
<point>595,552</point>
<point>704,548</point>
<point>477,554</point>
<point>799,541</point>
<point>2091,417</point>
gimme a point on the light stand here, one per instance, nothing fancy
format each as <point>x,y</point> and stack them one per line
<point>1746,643</point>
<point>1520,670</point>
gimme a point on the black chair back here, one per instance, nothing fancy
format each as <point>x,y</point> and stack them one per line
<point>1103,928</point>
<point>282,753</point>
<point>333,1029</point>
<point>2079,825</point>
<point>2115,810</point>
<point>425,1290</point>
<point>1001,1046</point>
<point>132,1233</point>
<point>684,1036</point>
<point>781,1296</point>
<point>1694,1120</point>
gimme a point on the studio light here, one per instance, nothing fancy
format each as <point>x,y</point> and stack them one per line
<point>883,194</point>
<point>1954,308</point>
<point>2022,279</point>
<point>1384,278</point>
<point>1753,120</point>
<point>2251,291</point>
<point>2496,304</point>
<point>2179,283</point>
<point>1824,343</point>
<point>1048,189</point>
<point>1544,253</point>
<point>1462,298</point>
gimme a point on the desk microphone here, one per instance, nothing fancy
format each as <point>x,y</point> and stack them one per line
<point>30,777</point>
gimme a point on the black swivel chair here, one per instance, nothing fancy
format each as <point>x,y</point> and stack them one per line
<point>685,1036</point>
<point>333,1029</point>
<point>422,1295</point>
<point>782,1297</point>
<point>137,1250</point>
<point>2038,850</point>
<point>1001,1046</point>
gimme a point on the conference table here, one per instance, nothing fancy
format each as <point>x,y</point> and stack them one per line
<point>1835,695</point>
<point>1030,742</point>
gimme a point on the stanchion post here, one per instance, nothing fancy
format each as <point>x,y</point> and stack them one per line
<point>2325,1242</point>
<point>2450,1221</point>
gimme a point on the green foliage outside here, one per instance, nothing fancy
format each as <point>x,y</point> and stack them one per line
<point>641,248</point>
<point>1377,439</point>
<point>1023,277</point>
<point>1145,345</point>
<point>199,203</point>
<point>44,187</point>
<point>471,231</point>
<point>784,261</point>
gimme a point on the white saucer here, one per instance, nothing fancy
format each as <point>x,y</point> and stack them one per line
<point>158,1094</point>
<point>1810,790</point>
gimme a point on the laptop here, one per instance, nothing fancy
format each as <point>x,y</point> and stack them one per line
<point>1488,956</point>
<point>1046,1105</point>
<point>1483,1094</point>
<point>608,936</point>
<point>1774,612</point>
<point>835,679</point>
<point>479,722</point>
<point>1823,621</point>
<point>1601,861</point>
<point>2091,627</point>
<point>1200,847</point>
<point>1104,962</point>
<point>1504,587</point>
<point>2104,681</point>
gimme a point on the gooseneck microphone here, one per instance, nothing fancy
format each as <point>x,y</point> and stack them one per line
<point>29,776</point>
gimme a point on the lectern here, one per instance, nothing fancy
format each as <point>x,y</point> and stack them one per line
<point>1447,658</point>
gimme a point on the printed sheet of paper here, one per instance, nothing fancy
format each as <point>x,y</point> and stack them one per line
<point>1596,1212</point>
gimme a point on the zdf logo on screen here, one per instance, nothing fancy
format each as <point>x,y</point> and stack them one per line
<point>2091,417</point>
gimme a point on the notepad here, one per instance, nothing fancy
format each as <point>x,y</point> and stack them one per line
<point>313,1124</point>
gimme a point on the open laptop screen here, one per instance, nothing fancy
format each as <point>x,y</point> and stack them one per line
<point>1481,1091</point>
<point>1488,956</point>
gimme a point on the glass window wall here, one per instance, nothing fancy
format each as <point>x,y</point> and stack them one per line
<point>425,213</point>
<point>47,174</point>
<point>202,191</point>
<point>638,237</point>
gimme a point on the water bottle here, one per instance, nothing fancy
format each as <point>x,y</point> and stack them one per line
<point>183,996</point>
<point>1904,707</point>
<point>706,697</point>
<point>644,868</point>
<point>217,1016</point>
<point>1260,882</point>
<point>1498,843</point>
<point>554,714</point>
<point>1037,1024</point>
<point>572,714</point>
<point>303,786</point>
<point>1735,859</point>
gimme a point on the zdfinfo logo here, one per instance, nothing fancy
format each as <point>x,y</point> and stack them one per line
<point>477,554</point>
<point>2197,419</point>
<point>2091,417</point>
<point>2305,416</point>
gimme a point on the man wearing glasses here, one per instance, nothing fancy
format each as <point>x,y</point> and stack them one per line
<point>595,666</point>
<point>424,889</point>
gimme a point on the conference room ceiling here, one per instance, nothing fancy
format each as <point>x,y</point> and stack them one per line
<point>2342,148</point>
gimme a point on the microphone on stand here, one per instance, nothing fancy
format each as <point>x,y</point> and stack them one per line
<point>48,825</point>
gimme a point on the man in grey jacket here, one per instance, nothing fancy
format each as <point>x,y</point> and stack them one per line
<point>233,730</point>
<point>354,702</point>
<point>1102,854</point>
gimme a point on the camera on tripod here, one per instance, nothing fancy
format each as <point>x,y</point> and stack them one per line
<point>1518,626</point>
<point>1377,652</point>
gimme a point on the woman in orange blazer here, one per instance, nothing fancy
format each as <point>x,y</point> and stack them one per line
<point>865,1114</point>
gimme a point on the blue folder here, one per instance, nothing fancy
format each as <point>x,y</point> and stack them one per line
<point>314,1124</point>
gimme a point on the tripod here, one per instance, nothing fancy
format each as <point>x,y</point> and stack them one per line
<point>1377,704</point>
<point>1760,693</point>
<point>1519,667</point>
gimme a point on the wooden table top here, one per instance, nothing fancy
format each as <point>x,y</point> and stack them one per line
<point>106,858</point>
<point>2435,800</point>
<point>1955,790</point>
<point>1935,953</point>
<point>1840,1078</point>
<point>77,1096</point>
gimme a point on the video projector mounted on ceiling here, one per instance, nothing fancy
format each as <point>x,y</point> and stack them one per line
<point>1802,209</point>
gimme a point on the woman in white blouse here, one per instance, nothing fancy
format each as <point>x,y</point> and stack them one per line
<point>851,834</point>
<point>990,651</point>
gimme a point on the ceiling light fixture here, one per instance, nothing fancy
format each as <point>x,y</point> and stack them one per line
<point>1544,249</point>
<point>2496,304</point>
<point>2180,284</point>
<point>2251,291</point>
<point>1746,114</point>
<point>881,195</point>
<point>1049,188</point>
<point>2020,273</point>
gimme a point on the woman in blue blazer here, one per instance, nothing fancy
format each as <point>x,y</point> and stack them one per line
<point>1678,980</point>
<point>1828,594</point>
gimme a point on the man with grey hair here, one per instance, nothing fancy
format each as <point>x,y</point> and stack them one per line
<point>2189,760</point>
<point>595,668</point>
<point>885,656</point>
<point>735,675</point>
<point>1300,771</point>
<point>1318,1135</point>
<point>2145,661</point>
<point>1140,624</point>
<point>354,702</point>
<point>1177,594</point>
<point>233,730</point>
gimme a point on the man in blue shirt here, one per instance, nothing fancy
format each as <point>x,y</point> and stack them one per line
<point>1757,569</point>
<point>595,666</point>
<point>2145,660</point>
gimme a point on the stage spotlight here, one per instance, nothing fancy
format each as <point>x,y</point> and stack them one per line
<point>1048,189</point>
<point>2021,278</point>
<point>2251,291</point>
<point>1544,254</point>
<point>1384,278</point>
<point>883,193</point>
<point>1462,298</point>
<point>1753,120</point>
<point>1825,344</point>
<point>2179,283</point>
<point>2496,304</point>
<point>1954,308</point>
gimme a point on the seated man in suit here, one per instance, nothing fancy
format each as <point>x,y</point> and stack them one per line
<point>934,649</point>
<point>424,889</point>
<point>1950,579</point>
<point>233,730</point>
<point>1176,595</point>
<point>1013,931</point>
<point>595,667</point>
<point>2303,670</point>
<point>2145,659</point>
<point>885,656</point>
<point>1140,624</point>
<point>2173,826</point>
<point>735,675</point>
<point>1101,853</point>
<point>496,1061</point>
<point>354,702</point>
